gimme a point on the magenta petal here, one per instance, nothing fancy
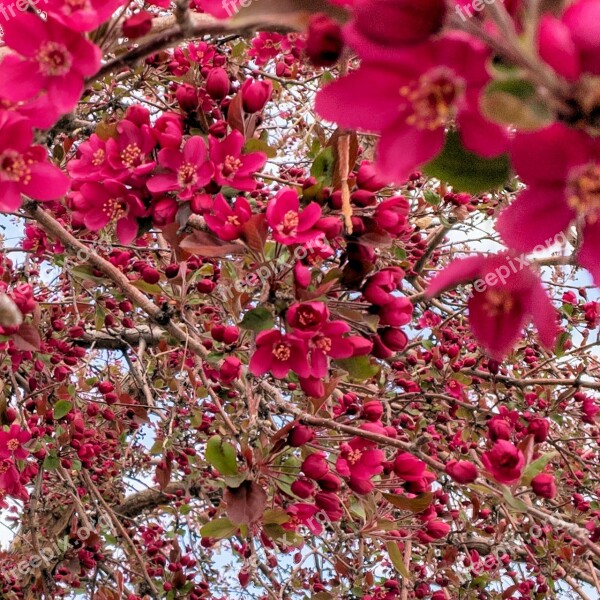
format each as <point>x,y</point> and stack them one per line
<point>309,216</point>
<point>459,271</point>
<point>195,150</point>
<point>365,99</point>
<point>556,47</point>
<point>47,182</point>
<point>127,230</point>
<point>542,313</point>
<point>497,334</point>
<point>20,79</point>
<point>64,92</point>
<point>589,254</point>
<point>166,182</point>
<point>89,58</point>
<point>10,196</point>
<point>319,364</point>
<point>261,360</point>
<point>97,219</point>
<point>557,149</point>
<point>535,218</point>
<point>402,149</point>
<point>24,33</point>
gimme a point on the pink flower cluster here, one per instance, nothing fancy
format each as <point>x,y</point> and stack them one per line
<point>308,348</point>
<point>148,169</point>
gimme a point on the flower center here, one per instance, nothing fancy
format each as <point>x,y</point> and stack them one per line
<point>115,208</point>
<point>187,175</point>
<point>498,302</point>
<point>282,351</point>
<point>307,317</point>
<point>54,59</point>
<point>323,343</point>
<point>233,220</point>
<point>584,192</point>
<point>429,101</point>
<point>98,157</point>
<point>289,225</point>
<point>13,167</point>
<point>231,166</point>
<point>3,468</point>
<point>354,456</point>
<point>13,445</point>
<point>131,155</point>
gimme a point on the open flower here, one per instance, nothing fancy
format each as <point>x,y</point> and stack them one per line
<point>48,56</point>
<point>110,201</point>
<point>12,442</point>
<point>227,222</point>
<point>232,168</point>
<point>359,459</point>
<point>279,353</point>
<point>504,461</point>
<point>129,154</point>
<point>410,96</point>
<point>25,169</point>
<point>563,186</point>
<point>290,225</point>
<point>507,295</point>
<point>187,171</point>
<point>332,342</point>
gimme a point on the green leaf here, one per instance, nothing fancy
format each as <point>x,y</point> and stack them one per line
<point>62,408</point>
<point>222,456</point>
<point>255,145</point>
<point>359,367</point>
<point>466,171</point>
<point>536,467</point>
<point>415,505</point>
<point>218,529</point>
<point>258,319</point>
<point>513,502</point>
<point>322,168</point>
<point>515,102</point>
<point>431,197</point>
<point>397,559</point>
<point>51,462</point>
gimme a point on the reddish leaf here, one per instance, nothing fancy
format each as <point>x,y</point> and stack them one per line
<point>255,232</point>
<point>245,504</point>
<point>27,338</point>
<point>207,245</point>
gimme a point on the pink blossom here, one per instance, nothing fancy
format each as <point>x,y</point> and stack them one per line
<point>228,222</point>
<point>90,161</point>
<point>303,514</point>
<point>563,186</point>
<point>25,169</point>
<point>187,171</point>
<point>437,81</point>
<point>12,442</point>
<point>128,156</point>
<point>409,467</point>
<point>504,461</point>
<point>48,56</point>
<point>500,307</point>
<point>307,318</point>
<point>279,353</point>
<point>110,202</point>
<point>232,168</point>
<point>290,225</point>
<point>462,471</point>
<point>359,459</point>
